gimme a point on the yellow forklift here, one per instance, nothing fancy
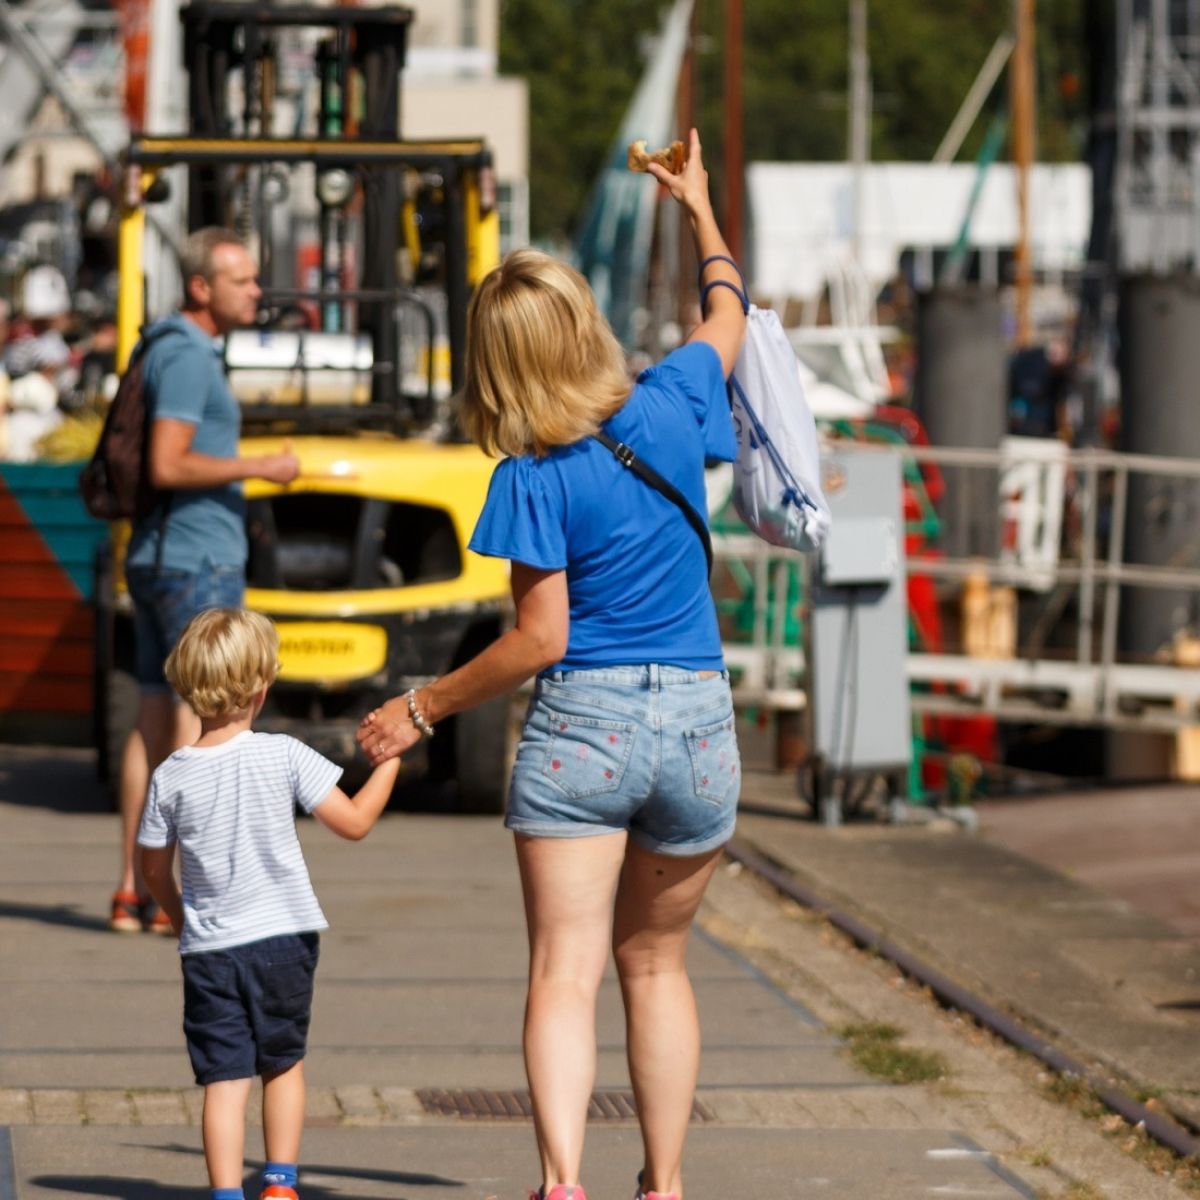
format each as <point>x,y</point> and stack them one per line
<point>362,562</point>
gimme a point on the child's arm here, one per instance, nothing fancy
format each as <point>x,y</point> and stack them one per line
<point>353,817</point>
<point>158,869</point>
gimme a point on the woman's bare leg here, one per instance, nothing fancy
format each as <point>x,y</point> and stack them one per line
<point>568,885</point>
<point>657,898</point>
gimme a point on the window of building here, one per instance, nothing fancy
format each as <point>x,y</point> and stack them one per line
<point>470,22</point>
<point>512,205</point>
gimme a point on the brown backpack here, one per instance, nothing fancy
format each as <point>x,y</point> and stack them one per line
<point>116,483</point>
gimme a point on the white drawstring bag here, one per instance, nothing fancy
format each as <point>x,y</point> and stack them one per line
<point>777,473</point>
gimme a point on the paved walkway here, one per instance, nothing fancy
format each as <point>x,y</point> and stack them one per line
<point>421,987</point>
<point>1117,985</point>
<point>1141,844</point>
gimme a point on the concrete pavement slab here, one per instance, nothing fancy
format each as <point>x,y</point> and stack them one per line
<point>461,1163</point>
<point>1067,957</point>
<point>1139,843</point>
<point>421,984</point>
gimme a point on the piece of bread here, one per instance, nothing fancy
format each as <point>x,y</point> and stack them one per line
<point>670,157</point>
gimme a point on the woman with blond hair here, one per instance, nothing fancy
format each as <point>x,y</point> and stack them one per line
<point>627,775</point>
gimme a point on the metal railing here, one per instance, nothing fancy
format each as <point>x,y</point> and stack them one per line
<point>1090,685</point>
<point>766,664</point>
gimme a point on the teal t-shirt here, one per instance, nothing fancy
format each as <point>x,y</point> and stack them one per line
<point>637,579</point>
<point>185,381</point>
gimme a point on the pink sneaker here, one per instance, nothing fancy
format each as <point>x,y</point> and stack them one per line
<point>560,1191</point>
<point>643,1195</point>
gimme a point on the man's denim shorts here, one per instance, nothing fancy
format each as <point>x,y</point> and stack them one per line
<point>246,1009</point>
<point>165,600</point>
<point>648,749</point>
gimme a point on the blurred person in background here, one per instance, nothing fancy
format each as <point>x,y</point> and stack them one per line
<point>36,337</point>
<point>33,408</point>
<point>189,553</point>
<point>98,361</point>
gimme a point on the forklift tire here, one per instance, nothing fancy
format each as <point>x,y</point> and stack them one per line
<point>471,749</point>
<point>480,747</point>
<point>114,688</point>
<point>115,721</point>
<point>470,755</point>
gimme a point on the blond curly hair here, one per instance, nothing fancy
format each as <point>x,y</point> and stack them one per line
<point>223,659</point>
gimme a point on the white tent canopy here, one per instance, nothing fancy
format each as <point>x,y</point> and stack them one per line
<point>802,215</point>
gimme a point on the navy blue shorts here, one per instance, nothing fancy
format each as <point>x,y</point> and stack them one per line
<point>164,601</point>
<point>246,1009</point>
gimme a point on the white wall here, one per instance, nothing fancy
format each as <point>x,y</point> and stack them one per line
<point>450,88</point>
<point>801,217</point>
<point>494,109</point>
<point>449,22</point>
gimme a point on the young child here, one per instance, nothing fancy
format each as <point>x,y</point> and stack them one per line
<point>248,919</point>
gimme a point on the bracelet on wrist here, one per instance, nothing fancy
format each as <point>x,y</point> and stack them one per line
<point>422,726</point>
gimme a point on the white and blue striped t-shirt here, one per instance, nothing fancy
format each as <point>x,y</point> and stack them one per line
<point>231,809</point>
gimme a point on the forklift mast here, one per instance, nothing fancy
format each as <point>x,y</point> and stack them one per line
<point>382,204</point>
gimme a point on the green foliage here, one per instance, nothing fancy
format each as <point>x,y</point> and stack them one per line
<point>933,53</point>
<point>583,61</point>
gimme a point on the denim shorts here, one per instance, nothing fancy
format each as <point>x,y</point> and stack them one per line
<point>648,749</point>
<point>246,1009</point>
<point>165,600</point>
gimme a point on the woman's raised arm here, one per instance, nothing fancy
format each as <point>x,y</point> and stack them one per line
<point>723,325</point>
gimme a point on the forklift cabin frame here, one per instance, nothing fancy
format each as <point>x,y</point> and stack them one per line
<point>366,45</point>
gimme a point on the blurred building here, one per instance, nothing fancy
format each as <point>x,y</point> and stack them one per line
<point>452,88</point>
<point>803,222</point>
<point>41,147</point>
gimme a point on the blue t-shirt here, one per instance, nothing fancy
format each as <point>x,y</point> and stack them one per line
<point>185,381</point>
<point>636,574</point>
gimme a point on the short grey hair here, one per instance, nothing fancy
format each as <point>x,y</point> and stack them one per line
<point>196,254</point>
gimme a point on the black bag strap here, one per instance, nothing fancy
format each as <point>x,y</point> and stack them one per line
<point>627,458</point>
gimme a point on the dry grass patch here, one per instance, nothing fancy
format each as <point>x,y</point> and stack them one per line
<point>876,1048</point>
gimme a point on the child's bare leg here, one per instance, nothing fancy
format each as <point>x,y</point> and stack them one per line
<point>283,1113</point>
<point>225,1131</point>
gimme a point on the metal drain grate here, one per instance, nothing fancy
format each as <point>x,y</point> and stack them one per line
<point>482,1104</point>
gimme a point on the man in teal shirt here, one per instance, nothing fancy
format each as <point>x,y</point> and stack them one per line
<point>190,553</point>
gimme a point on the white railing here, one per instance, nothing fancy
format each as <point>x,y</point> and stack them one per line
<point>1089,686</point>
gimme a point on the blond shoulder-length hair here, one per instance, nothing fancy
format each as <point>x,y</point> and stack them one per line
<point>543,367</point>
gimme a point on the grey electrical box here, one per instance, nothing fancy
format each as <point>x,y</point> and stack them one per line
<point>858,631</point>
<point>860,551</point>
